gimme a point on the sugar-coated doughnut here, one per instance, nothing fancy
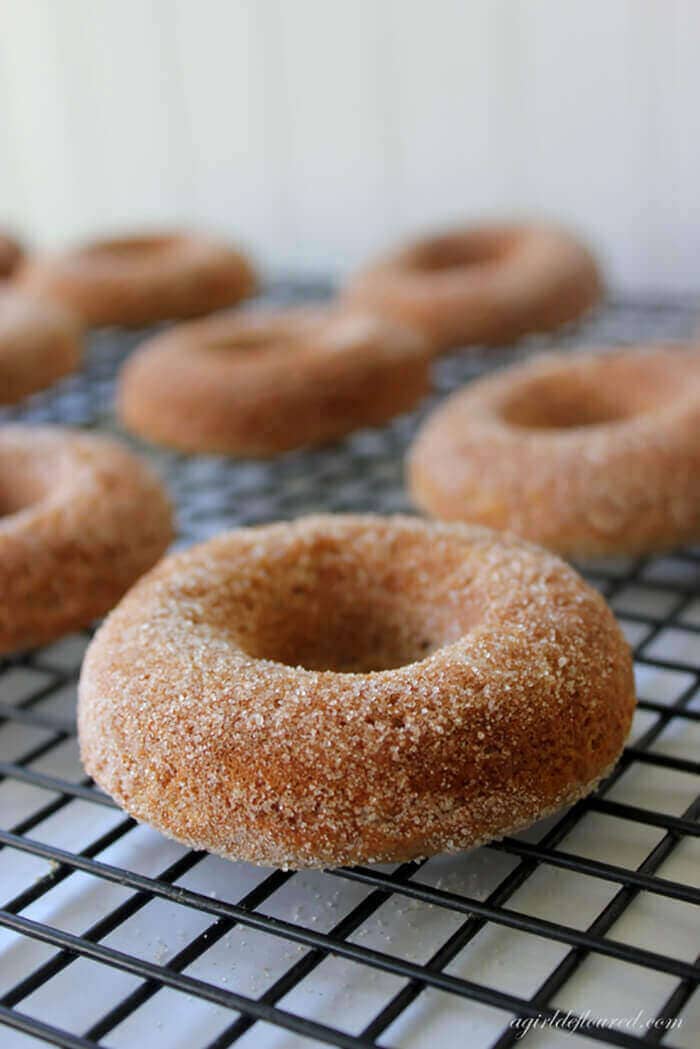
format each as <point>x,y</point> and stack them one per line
<point>258,382</point>
<point>590,454</point>
<point>136,280</point>
<point>40,342</point>
<point>10,255</point>
<point>82,518</point>
<point>352,689</point>
<point>483,285</point>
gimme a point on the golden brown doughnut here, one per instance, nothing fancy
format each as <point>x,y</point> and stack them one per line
<point>349,689</point>
<point>40,342</point>
<point>136,280</point>
<point>263,381</point>
<point>82,518</point>
<point>591,454</point>
<point>10,255</point>
<point>483,285</point>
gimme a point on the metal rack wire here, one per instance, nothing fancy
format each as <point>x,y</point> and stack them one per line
<point>69,906</point>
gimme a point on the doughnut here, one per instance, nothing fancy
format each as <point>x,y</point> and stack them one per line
<point>10,255</point>
<point>484,285</point>
<point>352,689</point>
<point>595,454</point>
<point>40,342</point>
<point>80,519</point>
<point>137,280</point>
<point>260,382</point>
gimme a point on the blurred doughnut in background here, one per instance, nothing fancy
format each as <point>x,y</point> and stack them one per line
<point>134,280</point>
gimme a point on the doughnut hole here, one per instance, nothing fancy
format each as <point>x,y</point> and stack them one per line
<point>256,333</point>
<point>252,340</point>
<point>132,249</point>
<point>459,251</point>
<point>567,401</point>
<point>338,610</point>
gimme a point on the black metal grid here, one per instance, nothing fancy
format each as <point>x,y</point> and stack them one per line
<point>364,472</point>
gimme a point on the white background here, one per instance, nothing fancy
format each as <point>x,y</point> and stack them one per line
<point>317,131</point>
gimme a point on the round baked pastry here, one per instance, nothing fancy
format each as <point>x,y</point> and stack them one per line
<point>259,382</point>
<point>484,285</point>
<point>40,342</point>
<point>81,520</point>
<point>590,454</point>
<point>345,690</point>
<point>136,280</point>
<point>10,255</point>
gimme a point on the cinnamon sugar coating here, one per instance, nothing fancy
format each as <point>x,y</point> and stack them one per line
<point>349,689</point>
<point>590,454</point>
<point>81,519</point>
<point>482,285</point>
<point>260,382</point>
<point>40,342</point>
<point>136,280</point>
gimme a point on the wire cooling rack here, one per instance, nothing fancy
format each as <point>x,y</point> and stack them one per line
<point>581,931</point>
